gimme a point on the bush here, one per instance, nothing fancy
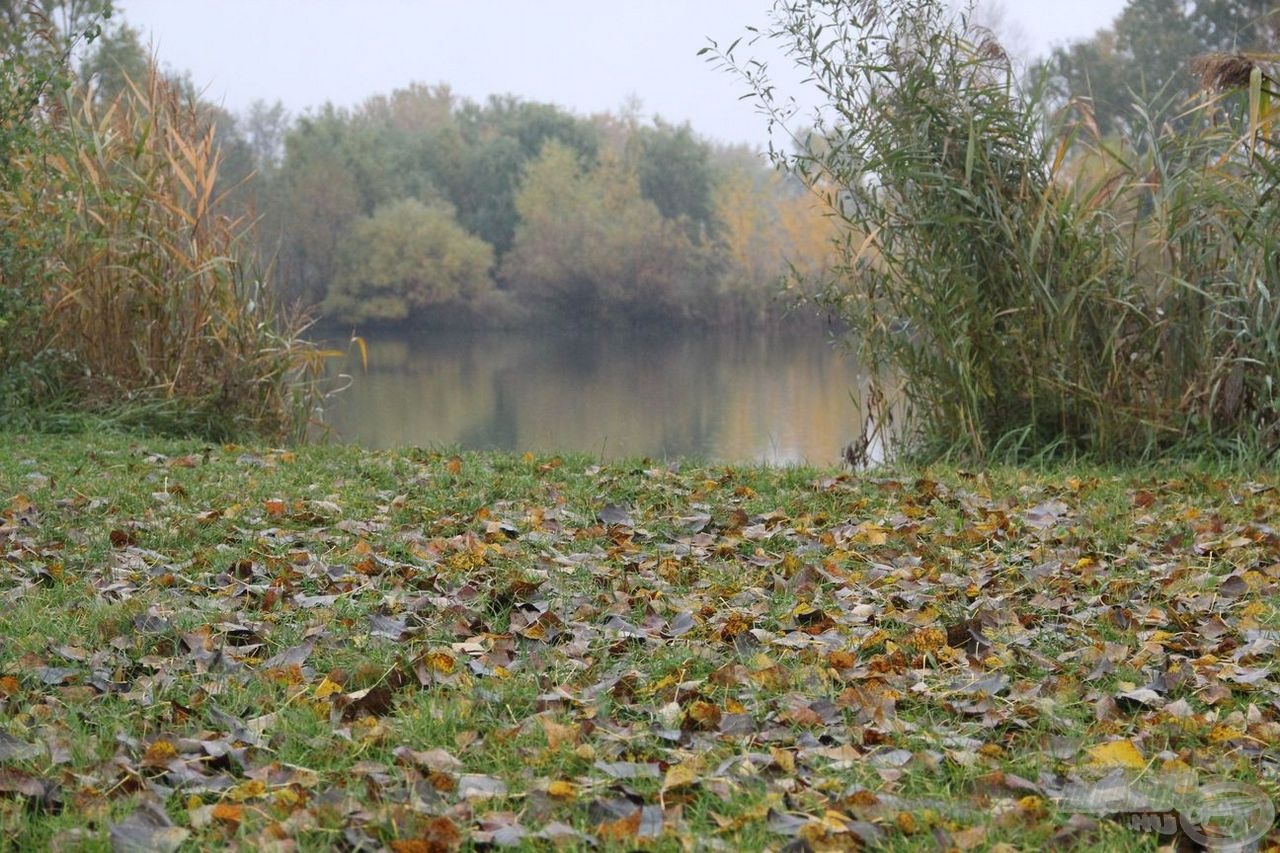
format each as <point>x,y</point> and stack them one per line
<point>1000,304</point>
<point>405,260</point>
<point>145,296</point>
<point>33,76</point>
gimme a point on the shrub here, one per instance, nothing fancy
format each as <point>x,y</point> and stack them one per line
<point>405,260</point>
<point>33,77</point>
<point>155,306</point>
<point>1001,305</point>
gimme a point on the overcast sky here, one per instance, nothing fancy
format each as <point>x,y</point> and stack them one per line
<point>586,55</point>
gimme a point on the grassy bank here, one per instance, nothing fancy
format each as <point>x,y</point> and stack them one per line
<point>204,644</point>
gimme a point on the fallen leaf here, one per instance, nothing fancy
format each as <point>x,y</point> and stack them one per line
<point>1116,753</point>
<point>146,830</point>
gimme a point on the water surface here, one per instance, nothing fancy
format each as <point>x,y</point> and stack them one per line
<point>725,396</point>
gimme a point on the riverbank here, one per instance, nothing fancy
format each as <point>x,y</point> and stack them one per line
<point>423,650</point>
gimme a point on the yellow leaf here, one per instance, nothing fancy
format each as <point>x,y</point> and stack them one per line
<point>783,760</point>
<point>559,735</point>
<point>327,688</point>
<point>159,754</point>
<point>870,534</point>
<point>681,775</point>
<point>562,789</point>
<point>247,790</point>
<point>441,661</point>
<point>663,683</point>
<point>1117,753</point>
<point>287,797</point>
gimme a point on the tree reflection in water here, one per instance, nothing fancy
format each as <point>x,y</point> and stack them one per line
<point>730,396</point>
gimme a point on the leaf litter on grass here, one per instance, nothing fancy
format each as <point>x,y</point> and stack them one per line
<point>419,651</point>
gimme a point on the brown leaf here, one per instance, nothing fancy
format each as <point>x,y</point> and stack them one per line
<point>615,515</point>
<point>621,830</point>
<point>559,735</point>
<point>24,784</point>
<point>702,715</point>
<point>12,749</point>
<point>432,759</point>
<point>628,770</point>
<point>230,813</point>
<point>439,835</point>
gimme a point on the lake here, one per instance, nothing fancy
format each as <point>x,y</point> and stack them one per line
<point>727,396</point>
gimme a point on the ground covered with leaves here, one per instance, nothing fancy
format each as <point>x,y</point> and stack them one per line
<point>206,646</point>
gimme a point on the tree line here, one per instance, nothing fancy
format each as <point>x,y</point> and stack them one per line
<point>422,207</point>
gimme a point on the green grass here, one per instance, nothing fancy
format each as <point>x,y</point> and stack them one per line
<point>481,653</point>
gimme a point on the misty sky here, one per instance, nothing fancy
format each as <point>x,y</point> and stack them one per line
<point>585,55</point>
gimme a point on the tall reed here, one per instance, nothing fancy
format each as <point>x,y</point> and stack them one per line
<point>159,304</point>
<point>1020,284</point>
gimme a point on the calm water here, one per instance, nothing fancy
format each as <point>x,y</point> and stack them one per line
<point>732,397</point>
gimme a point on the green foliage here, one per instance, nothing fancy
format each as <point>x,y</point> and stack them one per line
<point>1003,306</point>
<point>406,259</point>
<point>676,175</point>
<point>591,243</point>
<point>500,139</point>
<point>126,280</point>
<point>418,143</point>
<point>160,303</point>
<point>317,200</point>
<point>625,225</point>
<point>1145,57</point>
<point>34,74</point>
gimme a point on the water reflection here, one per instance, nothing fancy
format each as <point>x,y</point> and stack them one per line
<point>724,396</point>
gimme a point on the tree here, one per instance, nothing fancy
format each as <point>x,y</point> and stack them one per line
<point>767,223</point>
<point>1145,56</point>
<point>319,200</point>
<point>48,27</point>
<point>115,58</point>
<point>675,174</point>
<point>1236,25</point>
<point>405,260</point>
<point>499,139</point>
<point>590,244</point>
<point>265,126</point>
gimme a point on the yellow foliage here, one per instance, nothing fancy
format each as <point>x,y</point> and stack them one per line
<point>1117,753</point>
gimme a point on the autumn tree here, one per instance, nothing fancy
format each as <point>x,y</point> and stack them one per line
<point>501,138</point>
<point>769,224</point>
<point>591,244</point>
<point>404,260</point>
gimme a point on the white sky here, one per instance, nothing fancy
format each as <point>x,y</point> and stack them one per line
<point>585,55</point>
